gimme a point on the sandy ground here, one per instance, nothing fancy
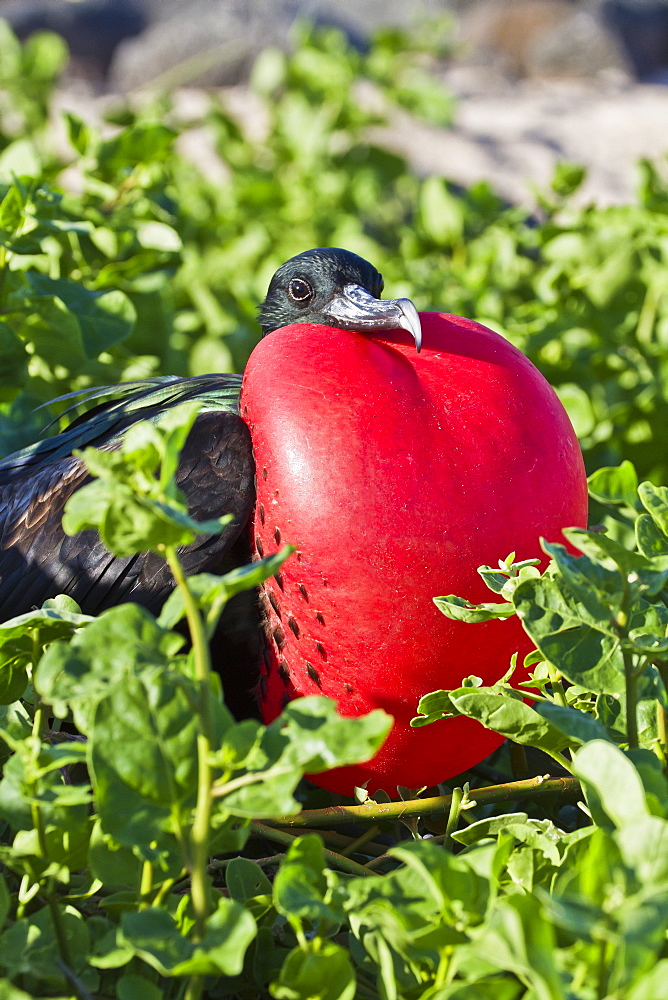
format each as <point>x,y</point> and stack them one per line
<point>514,134</point>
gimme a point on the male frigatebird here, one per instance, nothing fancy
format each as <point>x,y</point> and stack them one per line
<point>38,560</point>
<point>394,473</point>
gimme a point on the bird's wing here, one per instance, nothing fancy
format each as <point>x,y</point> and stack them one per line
<point>114,408</point>
<point>216,474</point>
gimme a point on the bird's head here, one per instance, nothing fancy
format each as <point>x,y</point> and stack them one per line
<point>337,288</point>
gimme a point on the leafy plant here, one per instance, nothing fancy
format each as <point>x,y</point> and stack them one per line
<point>172,777</point>
<point>150,846</point>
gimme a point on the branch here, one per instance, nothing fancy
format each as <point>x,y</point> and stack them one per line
<point>372,812</point>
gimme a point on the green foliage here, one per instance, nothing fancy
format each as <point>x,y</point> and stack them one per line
<point>123,772</point>
<point>165,776</point>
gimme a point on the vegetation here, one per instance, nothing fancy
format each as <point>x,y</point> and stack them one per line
<point>508,891</point>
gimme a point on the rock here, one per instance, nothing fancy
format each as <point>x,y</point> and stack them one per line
<point>207,44</point>
<point>579,46</point>
<point>540,38</point>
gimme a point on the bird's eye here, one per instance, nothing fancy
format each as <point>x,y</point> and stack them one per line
<point>299,290</point>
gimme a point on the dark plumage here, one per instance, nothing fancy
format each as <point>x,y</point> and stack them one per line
<point>216,472</point>
<point>336,288</point>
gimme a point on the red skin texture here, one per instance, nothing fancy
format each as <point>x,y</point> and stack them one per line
<point>397,474</point>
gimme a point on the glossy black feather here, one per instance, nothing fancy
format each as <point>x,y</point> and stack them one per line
<point>216,473</point>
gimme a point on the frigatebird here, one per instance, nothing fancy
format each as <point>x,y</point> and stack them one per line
<point>327,286</point>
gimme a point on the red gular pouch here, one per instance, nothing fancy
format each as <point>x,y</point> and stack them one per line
<point>396,474</point>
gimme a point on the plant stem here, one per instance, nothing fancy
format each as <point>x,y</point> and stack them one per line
<point>361,841</point>
<point>59,928</point>
<point>453,816</point>
<point>662,714</point>
<point>146,886</point>
<point>38,721</point>
<point>630,692</point>
<point>38,823</point>
<point>530,788</point>
<point>560,759</point>
<point>621,624</point>
<point>376,863</point>
<point>199,834</point>
<point>343,843</point>
<point>164,891</point>
<point>335,860</point>
<point>557,687</point>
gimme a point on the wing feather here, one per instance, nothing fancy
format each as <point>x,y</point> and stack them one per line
<point>216,473</point>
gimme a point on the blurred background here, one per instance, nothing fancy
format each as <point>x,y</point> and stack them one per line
<point>499,159</point>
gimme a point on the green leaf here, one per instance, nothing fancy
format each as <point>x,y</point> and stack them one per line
<point>12,209</point>
<point>516,939</point>
<point>441,213</point>
<point>53,332</point>
<point>322,970</point>
<point>578,727</point>
<point>653,985</point>
<point>159,236</point>
<point>463,611</point>
<point>30,946</point>
<point>9,992</point>
<point>577,639</point>
<point>22,640</point>
<point>134,509</point>
<point>143,757</point>
<point>32,777</point>
<point>578,406</point>
<point>134,987</point>
<point>78,133</point>
<point>613,787</point>
<point>488,827</point>
<point>300,886</point>
<point>105,318</point>
<point>245,880</point>
<point>567,178</point>
<point>113,864</point>
<point>655,501</point>
<point>154,937</point>
<point>652,541</point>
<point>646,577</point>
<point>143,142</point>
<point>615,485</point>
<point>308,737</point>
<point>122,642</point>
<point>20,159</point>
<point>643,844</point>
<point>46,55</point>
<point>499,709</point>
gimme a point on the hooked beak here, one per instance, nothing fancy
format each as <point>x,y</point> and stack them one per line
<point>356,309</point>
